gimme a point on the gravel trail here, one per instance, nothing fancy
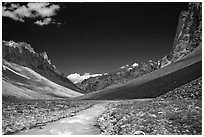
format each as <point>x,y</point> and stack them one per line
<point>80,124</point>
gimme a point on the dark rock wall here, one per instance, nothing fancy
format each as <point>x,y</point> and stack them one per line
<point>188,36</point>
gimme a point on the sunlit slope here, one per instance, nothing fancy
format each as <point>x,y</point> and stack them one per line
<point>156,83</point>
<point>23,82</point>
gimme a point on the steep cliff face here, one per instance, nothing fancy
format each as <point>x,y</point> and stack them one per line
<point>23,54</point>
<point>188,36</point>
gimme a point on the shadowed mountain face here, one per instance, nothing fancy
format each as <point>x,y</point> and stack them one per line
<point>31,75</point>
<point>155,83</point>
<point>188,36</point>
<point>123,75</point>
<point>187,41</point>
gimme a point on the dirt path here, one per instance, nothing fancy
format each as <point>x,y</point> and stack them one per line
<point>80,124</point>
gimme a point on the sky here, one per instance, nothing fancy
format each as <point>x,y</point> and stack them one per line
<point>93,37</point>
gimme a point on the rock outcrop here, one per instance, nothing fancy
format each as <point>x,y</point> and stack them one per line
<point>188,36</point>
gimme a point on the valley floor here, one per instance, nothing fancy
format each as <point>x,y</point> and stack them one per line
<point>80,124</point>
<point>176,112</point>
<point>20,115</point>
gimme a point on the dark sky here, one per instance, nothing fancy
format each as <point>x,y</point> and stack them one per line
<point>101,37</point>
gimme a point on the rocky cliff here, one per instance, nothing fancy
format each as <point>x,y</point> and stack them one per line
<point>188,37</point>
<point>23,54</point>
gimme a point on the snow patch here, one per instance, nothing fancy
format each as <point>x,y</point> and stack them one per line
<point>135,64</point>
<point>77,78</point>
<point>105,74</point>
<point>7,68</point>
<point>123,67</point>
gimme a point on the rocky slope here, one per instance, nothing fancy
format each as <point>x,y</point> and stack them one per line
<point>126,73</point>
<point>23,54</point>
<point>178,112</point>
<point>188,36</point>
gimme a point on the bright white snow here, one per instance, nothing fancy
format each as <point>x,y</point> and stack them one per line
<point>135,64</point>
<point>76,78</point>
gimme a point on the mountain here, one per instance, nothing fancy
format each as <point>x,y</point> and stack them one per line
<point>187,41</point>
<point>28,72</point>
<point>23,82</point>
<point>126,73</point>
<point>155,83</point>
<point>188,37</point>
<point>183,64</point>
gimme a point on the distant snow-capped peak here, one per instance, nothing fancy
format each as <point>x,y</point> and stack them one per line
<point>135,64</point>
<point>105,74</point>
<point>77,78</point>
<point>123,67</point>
<point>129,67</point>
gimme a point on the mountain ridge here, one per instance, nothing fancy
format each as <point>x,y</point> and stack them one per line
<point>124,74</point>
<point>23,54</point>
<point>155,83</point>
<point>27,74</point>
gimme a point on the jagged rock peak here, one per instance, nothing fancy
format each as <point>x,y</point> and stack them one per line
<point>21,45</point>
<point>11,43</point>
<point>193,5</point>
<point>189,34</point>
<point>44,55</point>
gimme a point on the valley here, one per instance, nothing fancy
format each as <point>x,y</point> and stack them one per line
<point>160,97</point>
<point>176,112</point>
